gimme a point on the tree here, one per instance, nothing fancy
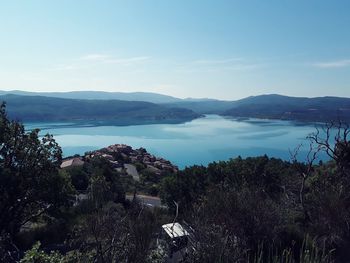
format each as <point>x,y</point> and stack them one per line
<point>35,255</point>
<point>105,184</point>
<point>113,234</point>
<point>334,141</point>
<point>328,197</point>
<point>30,184</point>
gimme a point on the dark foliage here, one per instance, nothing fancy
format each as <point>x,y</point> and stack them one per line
<point>249,208</point>
<point>30,184</point>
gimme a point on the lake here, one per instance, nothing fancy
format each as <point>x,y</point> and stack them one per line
<point>201,141</point>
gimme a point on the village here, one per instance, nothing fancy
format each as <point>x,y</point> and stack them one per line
<point>127,160</point>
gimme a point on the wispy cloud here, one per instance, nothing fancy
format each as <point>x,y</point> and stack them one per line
<point>126,61</point>
<point>333,64</point>
<point>216,61</point>
<point>66,67</point>
<point>94,57</point>
<point>102,58</point>
<point>91,60</point>
<point>220,65</point>
<point>239,67</point>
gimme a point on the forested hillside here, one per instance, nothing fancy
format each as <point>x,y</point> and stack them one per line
<point>323,109</point>
<point>37,108</point>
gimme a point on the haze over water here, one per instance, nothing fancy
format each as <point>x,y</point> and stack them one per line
<point>200,141</point>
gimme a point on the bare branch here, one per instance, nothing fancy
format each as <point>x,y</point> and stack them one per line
<point>293,154</point>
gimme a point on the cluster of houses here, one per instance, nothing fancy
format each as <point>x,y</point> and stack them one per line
<point>123,156</point>
<point>120,155</point>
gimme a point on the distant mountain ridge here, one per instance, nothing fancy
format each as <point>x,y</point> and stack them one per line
<point>99,95</point>
<point>40,108</point>
<point>274,106</point>
<point>271,106</point>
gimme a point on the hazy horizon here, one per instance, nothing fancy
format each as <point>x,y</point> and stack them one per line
<point>178,97</point>
<point>198,49</point>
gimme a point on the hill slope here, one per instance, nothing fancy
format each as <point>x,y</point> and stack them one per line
<point>37,108</point>
<point>292,108</point>
<point>100,95</point>
<point>169,109</point>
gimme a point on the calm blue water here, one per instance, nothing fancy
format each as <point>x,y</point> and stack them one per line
<point>200,141</point>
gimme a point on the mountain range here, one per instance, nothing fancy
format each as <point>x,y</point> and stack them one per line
<point>143,107</point>
<point>320,109</point>
<point>118,112</point>
<point>103,95</point>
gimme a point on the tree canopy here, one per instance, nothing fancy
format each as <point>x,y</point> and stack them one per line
<point>30,183</point>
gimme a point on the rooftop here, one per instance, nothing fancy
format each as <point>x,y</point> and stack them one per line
<point>175,230</point>
<point>76,161</point>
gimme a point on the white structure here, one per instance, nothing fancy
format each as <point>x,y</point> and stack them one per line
<point>176,238</point>
<point>76,161</point>
<point>175,230</point>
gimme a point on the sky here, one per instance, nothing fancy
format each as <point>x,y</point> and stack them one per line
<point>222,49</point>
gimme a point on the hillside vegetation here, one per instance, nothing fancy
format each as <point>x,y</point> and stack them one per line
<point>38,108</point>
<point>321,109</point>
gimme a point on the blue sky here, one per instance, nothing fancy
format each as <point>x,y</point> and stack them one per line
<point>186,48</point>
